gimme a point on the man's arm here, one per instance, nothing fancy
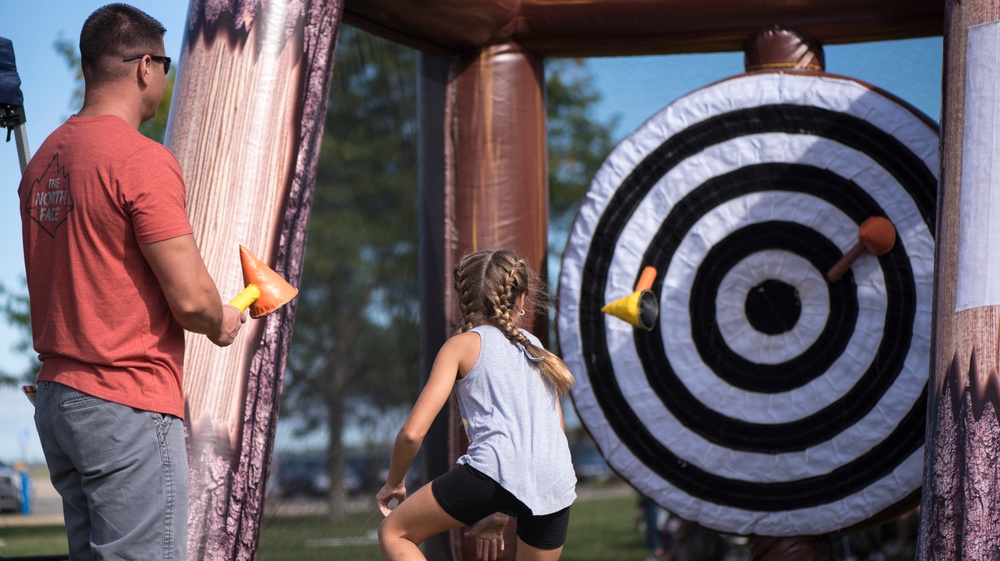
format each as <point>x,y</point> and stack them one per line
<point>190,291</point>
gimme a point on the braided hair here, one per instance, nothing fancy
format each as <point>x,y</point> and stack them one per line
<point>489,284</point>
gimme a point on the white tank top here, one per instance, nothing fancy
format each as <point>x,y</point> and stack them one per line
<point>511,416</point>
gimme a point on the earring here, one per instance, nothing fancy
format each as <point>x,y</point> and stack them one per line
<point>521,313</point>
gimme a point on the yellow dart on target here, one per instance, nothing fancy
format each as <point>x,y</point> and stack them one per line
<point>640,308</point>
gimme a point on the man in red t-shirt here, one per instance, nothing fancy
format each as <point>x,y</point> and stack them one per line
<point>114,279</point>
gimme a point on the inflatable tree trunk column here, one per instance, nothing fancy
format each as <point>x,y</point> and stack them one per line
<point>960,512</point>
<point>246,122</point>
<point>496,191</point>
<point>769,49</point>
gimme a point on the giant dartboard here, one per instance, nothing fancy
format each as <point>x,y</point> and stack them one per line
<point>765,400</point>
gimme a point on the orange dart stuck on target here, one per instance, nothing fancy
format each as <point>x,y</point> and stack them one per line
<point>876,236</point>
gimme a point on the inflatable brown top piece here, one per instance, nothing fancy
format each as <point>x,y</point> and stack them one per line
<point>775,48</point>
<point>635,27</point>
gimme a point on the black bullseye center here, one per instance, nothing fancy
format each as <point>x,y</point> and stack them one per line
<point>773,307</point>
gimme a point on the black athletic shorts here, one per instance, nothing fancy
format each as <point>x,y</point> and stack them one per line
<point>469,496</point>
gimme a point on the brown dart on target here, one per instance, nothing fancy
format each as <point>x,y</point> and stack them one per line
<point>876,236</point>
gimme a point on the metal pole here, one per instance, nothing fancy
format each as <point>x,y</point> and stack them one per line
<point>23,151</point>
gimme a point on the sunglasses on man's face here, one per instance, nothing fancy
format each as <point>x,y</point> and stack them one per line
<point>164,59</point>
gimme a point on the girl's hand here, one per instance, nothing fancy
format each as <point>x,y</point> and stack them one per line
<point>489,536</point>
<point>386,494</point>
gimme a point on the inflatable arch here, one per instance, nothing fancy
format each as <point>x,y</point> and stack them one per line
<point>248,114</point>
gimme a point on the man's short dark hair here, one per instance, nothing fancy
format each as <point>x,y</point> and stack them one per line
<point>114,32</point>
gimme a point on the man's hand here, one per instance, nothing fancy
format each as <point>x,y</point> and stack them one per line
<point>232,320</point>
<point>489,536</point>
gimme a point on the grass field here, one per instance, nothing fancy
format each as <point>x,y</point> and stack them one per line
<point>600,530</point>
<point>32,540</point>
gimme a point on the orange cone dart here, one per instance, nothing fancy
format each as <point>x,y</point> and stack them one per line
<point>265,290</point>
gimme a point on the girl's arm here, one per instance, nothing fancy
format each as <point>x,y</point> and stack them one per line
<point>455,359</point>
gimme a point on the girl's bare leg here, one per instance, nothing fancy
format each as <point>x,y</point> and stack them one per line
<point>413,521</point>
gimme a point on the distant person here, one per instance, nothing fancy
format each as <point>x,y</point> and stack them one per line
<point>114,278</point>
<point>692,542</point>
<point>518,461</point>
<point>651,518</point>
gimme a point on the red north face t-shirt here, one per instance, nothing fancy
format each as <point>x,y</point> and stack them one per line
<point>92,193</point>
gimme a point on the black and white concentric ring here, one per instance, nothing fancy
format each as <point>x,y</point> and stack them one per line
<point>767,401</point>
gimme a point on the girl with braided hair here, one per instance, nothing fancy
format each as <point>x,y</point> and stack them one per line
<point>508,388</point>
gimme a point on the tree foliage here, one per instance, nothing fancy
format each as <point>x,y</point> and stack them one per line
<point>14,312</point>
<point>356,345</point>
<point>357,315</point>
<point>577,143</point>
<point>70,53</point>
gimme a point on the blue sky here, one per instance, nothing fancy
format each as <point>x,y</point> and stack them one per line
<point>634,88</point>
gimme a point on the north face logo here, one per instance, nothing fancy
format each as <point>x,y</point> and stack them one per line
<point>49,202</point>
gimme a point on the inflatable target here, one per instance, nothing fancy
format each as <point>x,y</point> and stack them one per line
<point>765,400</point>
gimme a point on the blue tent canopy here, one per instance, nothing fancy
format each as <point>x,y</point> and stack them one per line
<point>10,82</point>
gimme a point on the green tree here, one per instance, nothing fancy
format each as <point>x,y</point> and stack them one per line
<point>70,53</point>
<point>577,143</point>
<point>355,346</point>
<point>577,146</point>
<point>14,312</point>
<point>355,349</point>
